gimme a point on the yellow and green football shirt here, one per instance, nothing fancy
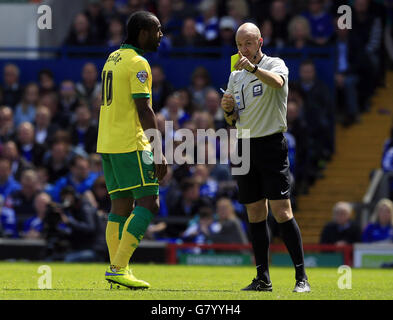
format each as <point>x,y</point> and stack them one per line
<point>126,75</point>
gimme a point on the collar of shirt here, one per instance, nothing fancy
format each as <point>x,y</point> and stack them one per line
<point>129,46</point>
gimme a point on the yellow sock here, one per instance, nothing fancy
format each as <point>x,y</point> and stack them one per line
<point>133,232</point>
<point>113,233</point>
<point>126,247</point>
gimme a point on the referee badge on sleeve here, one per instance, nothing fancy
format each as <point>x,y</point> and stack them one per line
<point>257,90</point>
<point>142,76</point>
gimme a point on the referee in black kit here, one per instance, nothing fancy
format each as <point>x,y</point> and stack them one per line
<point>256,99</point>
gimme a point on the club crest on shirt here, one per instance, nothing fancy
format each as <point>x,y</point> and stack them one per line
<point>142,76</point>
<point>257,90</point>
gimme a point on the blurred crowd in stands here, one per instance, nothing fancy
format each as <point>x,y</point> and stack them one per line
<point>344,230</point>
<point>51,179</point>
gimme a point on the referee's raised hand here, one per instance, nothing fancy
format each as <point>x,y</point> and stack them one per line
<point>243,63</point>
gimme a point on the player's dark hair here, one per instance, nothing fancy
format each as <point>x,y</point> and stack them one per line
<point>139,20</point>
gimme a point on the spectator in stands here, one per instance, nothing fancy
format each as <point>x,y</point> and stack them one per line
<point>189,36</point>
<point>226,33</point>
<point>186,100</point>
<point>44,128</point>
<point>18,164</point>
<point>320,20</point>
<point>366,33</point>
<point>89,87</point>
<point>26,109</point>
<point>342,230</point>
<point>7,128</point>
<point>207,21</point>
<point>212,105</point>
<point>33,226</point>
<point>172,111</point>
<point>208,185</point>
<point>319,116</point>
<point>95,109</point>
<point>95,162</point>
<point>202,227</point>
<point>98,196</point>
<point>203,120</point>
<point>280,18</point>
<point>267,34</point>
<point>109,11</point>
<point>83,133</point>
<point>169,193</point>
<point>238,10</point>
<point>22,201</point>
<point>57,160</point>
<point>80,178</point>
<point>387,160</point>
<point>161,87</point>
<point>186,204</point>
<point>230,228</point>
<point>46,81</point>
<point>80,33</point>
<point>200,84</point>
<point>170,24</point>
<point>291,141</point>
<point>68,98</point>
<point>8,184</point>
<point>346,78</point>
<point>43,179</point>
<point>82,227</point>
<point>12,90</point>
<point>380,228</point>
<point>28,148</point>
<point>51,101</point>
<point>299,129</point>
<point>299,33</point>
<point>136,5</point>
<point>116,32</point>
<point>8,228</point>
<point>98,24</point>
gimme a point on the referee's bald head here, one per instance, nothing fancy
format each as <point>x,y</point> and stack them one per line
<point>248,28</point>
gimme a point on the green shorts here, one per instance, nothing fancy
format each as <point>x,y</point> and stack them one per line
<point>130,174</point>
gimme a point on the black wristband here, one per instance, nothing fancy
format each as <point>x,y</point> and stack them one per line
<point>254,70</point>
<point>230,112</point>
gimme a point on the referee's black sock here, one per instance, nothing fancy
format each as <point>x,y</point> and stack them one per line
<point>260,243</point>
<point>292,238</point>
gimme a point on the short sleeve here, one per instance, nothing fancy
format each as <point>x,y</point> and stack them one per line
<point>139,79</point>
<point>279,67</point>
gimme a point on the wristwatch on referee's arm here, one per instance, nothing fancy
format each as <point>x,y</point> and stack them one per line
<point>253,70</point>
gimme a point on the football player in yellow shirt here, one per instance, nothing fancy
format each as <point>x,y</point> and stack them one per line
<point>126,113</point>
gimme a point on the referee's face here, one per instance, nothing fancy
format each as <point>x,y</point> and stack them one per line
<point>248,44</point>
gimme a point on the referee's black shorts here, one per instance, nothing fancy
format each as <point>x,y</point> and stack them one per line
<point>268,177</point>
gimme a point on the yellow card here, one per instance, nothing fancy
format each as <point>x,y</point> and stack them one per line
<point>234,58</point>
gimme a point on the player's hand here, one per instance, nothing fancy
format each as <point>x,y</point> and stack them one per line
<point>161,168</point>
<point>227,102</point>
<point>243,63</point>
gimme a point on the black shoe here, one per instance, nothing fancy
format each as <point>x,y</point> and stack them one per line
<point>302,286</point>
<point>258,285</point>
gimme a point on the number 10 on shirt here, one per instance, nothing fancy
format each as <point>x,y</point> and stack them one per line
<point>107,88</point>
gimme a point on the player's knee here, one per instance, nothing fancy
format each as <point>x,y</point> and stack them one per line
<point>256,212</point>
<point>151,204</point>
<point>283,215</point>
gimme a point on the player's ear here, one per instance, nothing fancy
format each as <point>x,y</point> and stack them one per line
<point>260,42</point>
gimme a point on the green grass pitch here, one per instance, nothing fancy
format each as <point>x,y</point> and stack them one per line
<point>19,280</point>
